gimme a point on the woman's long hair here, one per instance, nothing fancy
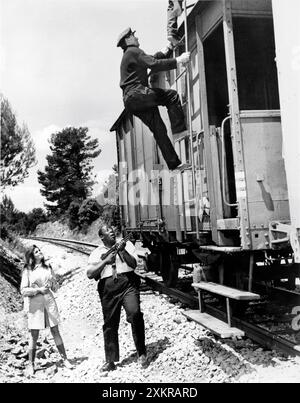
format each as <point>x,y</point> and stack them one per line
<point>30,260</point>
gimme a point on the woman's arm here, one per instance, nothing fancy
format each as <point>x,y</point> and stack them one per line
<point>54,284</point>
<point>25,288</point>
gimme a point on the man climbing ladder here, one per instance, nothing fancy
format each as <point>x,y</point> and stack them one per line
<point>143,101</point>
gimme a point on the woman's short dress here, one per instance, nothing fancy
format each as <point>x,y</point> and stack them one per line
<point>42,308</point>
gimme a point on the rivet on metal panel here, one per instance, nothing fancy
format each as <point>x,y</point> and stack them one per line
<point>266,235</point>
<point>248,243</point>
<point>266,243</point>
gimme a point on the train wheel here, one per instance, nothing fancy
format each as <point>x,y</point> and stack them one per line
<point>169,269</point>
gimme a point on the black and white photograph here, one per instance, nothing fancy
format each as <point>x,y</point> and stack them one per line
<point>150,194</point>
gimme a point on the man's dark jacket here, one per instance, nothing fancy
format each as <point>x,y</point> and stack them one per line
<point>135,63</point>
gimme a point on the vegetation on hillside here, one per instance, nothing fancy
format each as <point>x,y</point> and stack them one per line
<point>68,174</point>
<point>17,148</point>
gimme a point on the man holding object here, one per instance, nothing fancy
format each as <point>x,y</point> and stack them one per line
<point>118,286</point>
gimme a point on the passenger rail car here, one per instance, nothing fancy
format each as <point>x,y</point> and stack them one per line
<point>233,206</point>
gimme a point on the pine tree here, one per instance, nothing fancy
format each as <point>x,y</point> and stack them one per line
<point>67,175</point>
<point>7,210</point>
<point>17,148</point>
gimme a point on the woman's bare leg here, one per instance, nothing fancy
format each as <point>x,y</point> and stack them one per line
<point>60,345</point>
<point>33,338</point>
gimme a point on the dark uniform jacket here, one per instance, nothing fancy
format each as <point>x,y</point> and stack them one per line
<point>134,65</point>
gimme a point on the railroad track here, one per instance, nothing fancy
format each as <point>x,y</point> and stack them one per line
<point>257,332</point>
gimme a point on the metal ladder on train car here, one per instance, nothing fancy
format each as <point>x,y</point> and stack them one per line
<point>185,167</point>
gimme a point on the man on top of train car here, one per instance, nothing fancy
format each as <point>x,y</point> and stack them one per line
<point>143,101</point>
<point>174,11</point>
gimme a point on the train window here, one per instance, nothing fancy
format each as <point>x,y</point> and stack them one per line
<point>255,62</point>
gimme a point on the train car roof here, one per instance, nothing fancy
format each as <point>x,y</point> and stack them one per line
<point>119,121</point>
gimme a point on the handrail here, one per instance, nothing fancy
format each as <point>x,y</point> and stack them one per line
<point>223,163</point>
<point>190,117</point>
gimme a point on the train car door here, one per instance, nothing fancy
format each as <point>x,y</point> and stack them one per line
<point>214,104</point>
<point>256,124</point>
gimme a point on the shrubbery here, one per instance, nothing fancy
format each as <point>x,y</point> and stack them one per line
<point>111,215</point>
<point>18,222</point>
<point>88,212</point>
<point>72,214</point>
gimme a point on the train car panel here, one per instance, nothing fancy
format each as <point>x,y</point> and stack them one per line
<point>288,65</point>
<point>129,157</point>
<point>251,7</point>
<point>211,15</point>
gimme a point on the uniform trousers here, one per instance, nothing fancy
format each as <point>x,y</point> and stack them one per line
<point>113,295</point>
<point>172,27</point>
<point>143,102</point>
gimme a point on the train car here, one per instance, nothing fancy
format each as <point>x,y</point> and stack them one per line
<point>233,206</point>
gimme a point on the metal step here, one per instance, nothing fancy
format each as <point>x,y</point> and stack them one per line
<point>215,325</point>
<point>227,292</point>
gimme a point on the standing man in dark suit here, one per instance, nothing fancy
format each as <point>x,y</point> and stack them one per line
<point>118,286</point>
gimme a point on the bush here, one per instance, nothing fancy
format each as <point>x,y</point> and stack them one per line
<point>111,215</point>
<point>34,218</point>
<point>88,212</point>
<point>4,233</point>
<point>72,214</point>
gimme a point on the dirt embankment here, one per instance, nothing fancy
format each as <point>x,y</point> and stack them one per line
<point>59,229</point>
<point>10,278</point>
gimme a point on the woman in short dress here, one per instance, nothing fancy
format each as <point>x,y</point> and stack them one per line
<point>38,282</point>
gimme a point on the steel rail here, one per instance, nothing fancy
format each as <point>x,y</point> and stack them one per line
<point>254,332</point>
<point>59,243</point>
<point>94,245</point>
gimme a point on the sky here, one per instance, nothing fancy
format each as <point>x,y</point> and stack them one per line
<point>60,67</point>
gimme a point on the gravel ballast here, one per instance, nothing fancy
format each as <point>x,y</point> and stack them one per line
<point>179,350</point>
